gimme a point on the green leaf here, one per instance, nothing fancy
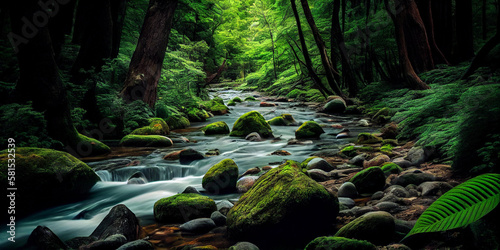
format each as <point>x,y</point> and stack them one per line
<point>462,205</point>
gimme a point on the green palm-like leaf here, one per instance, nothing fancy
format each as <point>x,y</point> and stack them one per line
<point>462,205</point>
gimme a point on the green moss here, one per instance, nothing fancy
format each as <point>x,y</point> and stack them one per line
<point>98,148</point>
<point>221,178</point>
<point>250,98</point>
<point>231,103</point>
<point>309,129</point>
<point>250,122</point>
<point>391,142</point>
<point>278,206</point>
<point>157,126</point>
<point>391,168</point>
<point>178,122</point>
<point>369,180</point>
<point>339,243</point>
<point>349,151</point>
<point>386,149</point>
<point>368,227</point>
<point>336,105</point>
<point>304,163</point>
<point>146,141</point>
<point>237,99</point>
<point>216,106</point>
<point>47,178</point>
<point>295,93</point>
<point>277,121</point>
<point>314,95</point>
<point>367,138</point>
<point>183,207</point>
<point>216,128</point>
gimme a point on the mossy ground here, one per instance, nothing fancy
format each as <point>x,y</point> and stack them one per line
<point>183,207</point>
<point>250,122</point>
<point>309,129</point>
<point>146,141</point>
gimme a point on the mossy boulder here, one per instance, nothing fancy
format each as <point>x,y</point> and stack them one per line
<point>181,208</point>
<point>216,128</point>
<point>337,105</point>
<point>250,99</point>
<point>221,178</point>
<point>231,103</point>
<point>280,206</point>
<point>282,120</point>
<point>237,99</point>
<point>146,141</point>
<point>309,129</point>
<point>197,115</point>
<point>178,122</point>
<point>369,181</point>
<point>382,116</point>
<point>47,178</point>
<point>376,227</point>
<point>250,122</point>
<point>157,126</point>
<point>216,106</point>
<point>367,138</point>
<point>96,147</point>
<point>339,243</point>
<point>391,168</point>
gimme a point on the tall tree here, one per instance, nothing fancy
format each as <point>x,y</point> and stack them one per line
<point>443,28</point>
<point>425,10</point>
<point>118,10</point>
<point>399,19</point>
<point>146,63</point>
<point>464,29</point>
<point>61,25</point>
<point>327,65</point>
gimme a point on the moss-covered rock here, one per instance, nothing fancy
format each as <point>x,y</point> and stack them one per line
<point>237,99</point>
<point>391,168</point>
<point>97,147</point>
<point>280,205</point>
<point>369,181</point>
<point>250,122</point>
<point>250,99</point>
<point>339,243</point>
<point>178,122</point>
<point>45,178</point>
<point>349,151</point>
<point>387,149</point>
<point>216,106</point>
<point>197,115</point>
<point>337,105</point>
<point>282,120</point>
<point>146,141</point>
<point>375,227</point>
<point>221,178</point>
<point>216,128</point>
<point>367,138</point>
<point>382,116</point>
<point>231,103</point>
<point>157,126</point>
<point>309,129</point>
<point>181,208</point>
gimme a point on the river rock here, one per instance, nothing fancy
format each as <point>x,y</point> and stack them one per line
<point>172,156</point>
<point>267,104</point>
<point>188,155</point>
<point>146,141</point>
<point>347,202</point>
<point>377,195</point>
<point>252,171</point>
<point>363,123</point>
<point>389,206</point>
<point>216,106</point>
<point>335,106</point>
<point>369,181</point>
<point>212,152</point>
<point>375,227</point>
<point>48,177</point>
<point>413,178</point>
<point>254,136</point>
<point>358,160</point>
<point>320,163</point>
<point>191,190</point>
<point>111,242</point>
<point>244,246</point>
<point>282,120</point>
<point>44,239</point>
<point>119,220</point>
<point>137,245</point>
<point>418,155</point>
<point>367,138</point>
<point>309,129</point>
<point>339,243</point>
<point>318,175</point>
<point>342,135</point>
<point>280,152</point>
<point>402,162</point>
<point>224,206</point>
<point>389,131</point>
<point>216,128</point>
<point>218,218</point>
<point>434,188</point>
<point>137,178</point>
<point>294,141</point>
<point>200,225</point>
<point>391,168</point>
<point>183,207</point>
<point>245,183</point>
<point>157,126</point>
<point>221,177</point>
<point>278,208</point>
<point>348,189</point>
<point>397,191</point>
<point>250,122</point>
<point>377,161</point>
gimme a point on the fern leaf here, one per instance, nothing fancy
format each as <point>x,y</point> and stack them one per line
<point>462,205</point>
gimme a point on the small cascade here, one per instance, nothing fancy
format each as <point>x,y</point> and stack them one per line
<point>158,172</point>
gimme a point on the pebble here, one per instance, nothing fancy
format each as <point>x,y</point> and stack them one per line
<point>200,225</point>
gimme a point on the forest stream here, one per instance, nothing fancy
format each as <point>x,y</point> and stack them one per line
<point>167,177</point>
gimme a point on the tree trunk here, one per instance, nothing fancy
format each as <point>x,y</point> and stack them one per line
<point>443,29</point>
<point>406,67</point>
<point>61,25</point>
<point>425,10</point>
<point>347,71</point>
<point>465,38</point>
<point>118,11</point>
<point>146,63</point>
<point>305,52</point>
<point>417,44</point>
<point>322,50</point>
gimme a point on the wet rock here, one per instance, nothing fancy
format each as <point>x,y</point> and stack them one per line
<point>297,142</point>
<point>245,183</point>
<point>178,139</point>
<point>224,206</point>
<point>76,242</point>
<point>216,128</point>
<point>335,106</point>
<point>212,152</point>
<point>44,239</point>
<point>397,247</point>
<point>190,190</point>
<point>367,138</point>
<point>267,104</point>
<point>391,198</point>
<point>375,227</point>
<point>252,171</point>
<point>120,220</point>
<point>389,131</point>
<point>157,126</point>
<point>397,191</point>
<point>402,162</point>
<point>186,156</point>
<point>369,181</point>
<point>342,135</point>
<point>250,122</point>
<point>403,226</point>
<point>254,136</point>
<point>244,246</point>
<point>221,178</point>
<point>172,156</point>
<point>283,120</point>
<point>347,202</point>
<point>339,243</point>
<point>146,141</point>
<point>320,163</point>
<point>309,129</point>
<point>434,188</point>
<point>266,168</point>
<point>391,168</point>
<point>280,152</point>
<point>137,178</point>
<point>358,160</point>
<point>418,155</point>
<point>183,207</point>
<point>318,175</point>
<point>200,225</point>
<point>363,123</point>
<point>388,206</point>
<point>218,218</point>
<point>348,189</point>
<point>111,242</point>
<point>377,195</point>
<point>377,161</point>
<point>413,178</point>
<point>137,245</point>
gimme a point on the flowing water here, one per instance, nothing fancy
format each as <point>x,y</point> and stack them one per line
<point>167,178</point>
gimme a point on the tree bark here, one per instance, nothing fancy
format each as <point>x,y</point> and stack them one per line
<point>118,11</point>
<point>146,63</point>
<point>322,50</point>
<point>406,67</point>
<point>443,29</point>
<point>61,25</point>
<point>425,10</point>
<point>465,38</point>
<point>305,51</point>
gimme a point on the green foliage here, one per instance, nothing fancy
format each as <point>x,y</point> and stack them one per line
<point>136,114</point>
<point>79,122</point>
<point>462,205</point>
